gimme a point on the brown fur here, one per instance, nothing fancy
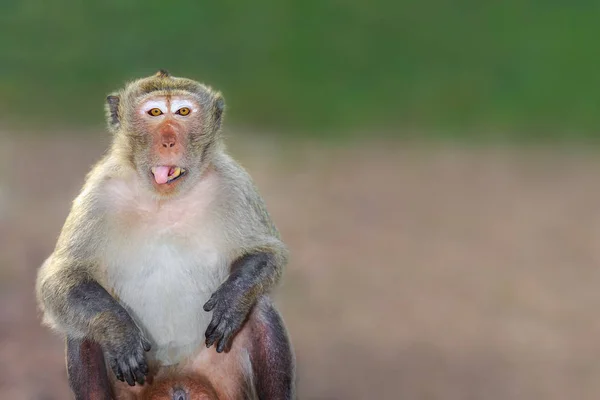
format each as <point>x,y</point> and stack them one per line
<point>76,288</point>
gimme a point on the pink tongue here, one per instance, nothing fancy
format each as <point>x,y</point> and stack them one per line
<point>161,174</point>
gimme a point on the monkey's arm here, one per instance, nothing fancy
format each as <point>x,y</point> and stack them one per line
<point>80,307</point>
<point>75,304</point>
<point>252,275</point>
<point>259,254</point>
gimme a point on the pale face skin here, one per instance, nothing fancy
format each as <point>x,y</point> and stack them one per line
<point>170,106</point>
<point>168,122</point>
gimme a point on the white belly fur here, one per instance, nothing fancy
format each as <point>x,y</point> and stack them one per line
<point>158,286</point>
<point>173,269</point>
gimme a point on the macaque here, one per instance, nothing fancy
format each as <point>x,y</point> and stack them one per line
<point>161,277</point>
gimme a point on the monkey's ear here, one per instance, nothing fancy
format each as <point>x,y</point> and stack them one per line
<point>218,110</point>
<point>162,73</point>
<point>112,111</point>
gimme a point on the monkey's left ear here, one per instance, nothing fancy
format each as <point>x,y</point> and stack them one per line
<point>112,111</point>
<point>218,110</point>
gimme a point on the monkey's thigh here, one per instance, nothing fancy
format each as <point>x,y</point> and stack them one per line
<point>86,370</point>
<point>259,365</point>
<point>271,354</point>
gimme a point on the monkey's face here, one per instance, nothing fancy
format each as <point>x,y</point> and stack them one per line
<point>167,128</point>
<point>169,137</point>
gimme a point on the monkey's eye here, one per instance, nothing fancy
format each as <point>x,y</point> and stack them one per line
<point>155,112</point>
<point>183,111</point>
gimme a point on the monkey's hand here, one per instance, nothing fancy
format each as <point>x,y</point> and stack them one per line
<point>124,347</point>
<point>230,306</point>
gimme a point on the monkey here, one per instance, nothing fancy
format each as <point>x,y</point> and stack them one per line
<point>161,277</point>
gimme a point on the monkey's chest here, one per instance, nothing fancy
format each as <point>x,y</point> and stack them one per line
<point>163,284</point>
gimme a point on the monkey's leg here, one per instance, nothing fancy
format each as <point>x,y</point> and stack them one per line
<point>86,370</point>
<point>271,355</point>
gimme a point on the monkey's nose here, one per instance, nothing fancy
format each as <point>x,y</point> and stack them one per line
<point>179,394</point>
<point>168,141</point>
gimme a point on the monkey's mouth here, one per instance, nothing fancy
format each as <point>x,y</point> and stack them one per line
<point>164,174</point>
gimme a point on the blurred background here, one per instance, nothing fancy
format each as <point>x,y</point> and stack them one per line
<point>432,166</point>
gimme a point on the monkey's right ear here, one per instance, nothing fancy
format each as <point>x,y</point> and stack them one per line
<point>112,110</point>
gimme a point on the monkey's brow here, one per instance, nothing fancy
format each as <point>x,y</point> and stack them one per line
<point>178,103</point>
<point>173,104</point>
<point>151,103</point>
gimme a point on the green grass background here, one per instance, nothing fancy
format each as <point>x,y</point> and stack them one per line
<point>528,69</point>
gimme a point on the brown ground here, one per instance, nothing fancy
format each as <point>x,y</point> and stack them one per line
<point>417,272</point>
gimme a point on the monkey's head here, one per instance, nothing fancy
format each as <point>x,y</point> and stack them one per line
<point>167,128</point>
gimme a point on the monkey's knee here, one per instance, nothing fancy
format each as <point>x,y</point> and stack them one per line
<point>86,370</point>
<point>272,357</point>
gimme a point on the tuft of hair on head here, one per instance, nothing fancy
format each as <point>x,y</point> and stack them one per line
<point>162,73</point>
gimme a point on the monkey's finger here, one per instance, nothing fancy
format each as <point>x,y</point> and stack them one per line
<point>210,341</point>
<point>216,333</point>
<point>128,375</point>
<point>216,319</point>
<point>115,367</point>
<point>146,344</point>
<point>134,367</point>
<point>139,376</point>
<point>143,365</point>
<point>224,339</point>
<point>210,304</point>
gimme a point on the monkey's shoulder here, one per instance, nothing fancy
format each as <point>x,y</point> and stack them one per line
<point>237,186</point>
